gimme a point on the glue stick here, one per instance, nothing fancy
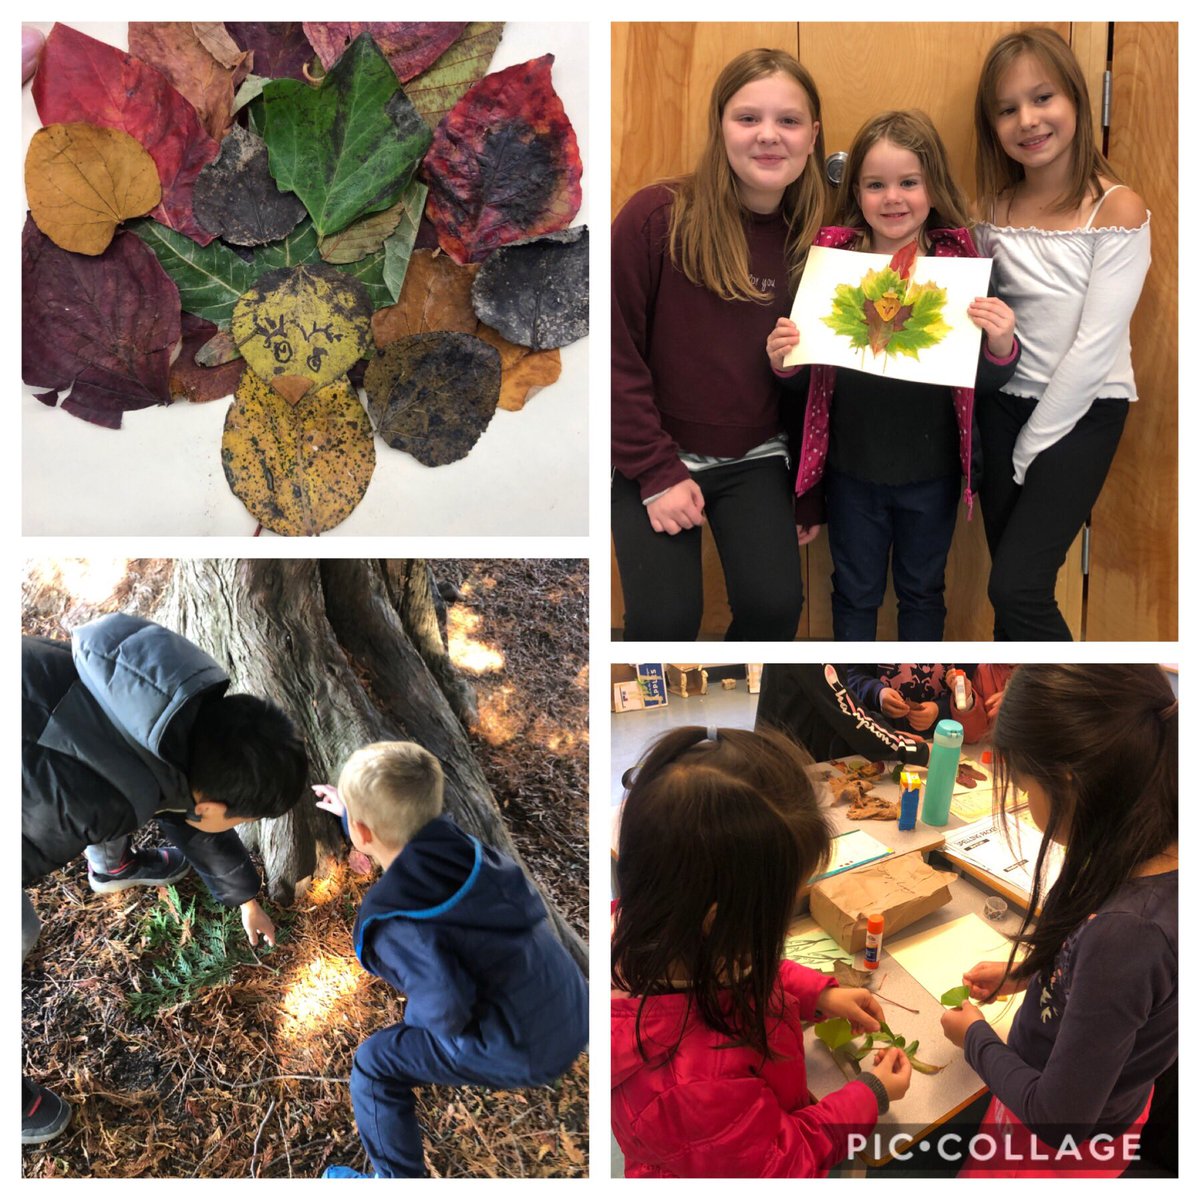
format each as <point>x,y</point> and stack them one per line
<point>910,798</point>
<point>960,691</point>
<point>874,941</point>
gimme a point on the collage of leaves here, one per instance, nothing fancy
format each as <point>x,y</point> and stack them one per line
<point>292,212</point>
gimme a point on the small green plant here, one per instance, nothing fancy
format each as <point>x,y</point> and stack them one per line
<point>837,1034</point>
<point>186,949</point>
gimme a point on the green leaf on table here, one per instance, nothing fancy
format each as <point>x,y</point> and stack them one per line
<point>955,996</point>
<point>348,147</point>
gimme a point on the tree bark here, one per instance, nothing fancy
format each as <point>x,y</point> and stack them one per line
<point>352,651</point>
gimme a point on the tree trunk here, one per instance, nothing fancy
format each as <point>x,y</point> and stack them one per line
<point>352,651</point>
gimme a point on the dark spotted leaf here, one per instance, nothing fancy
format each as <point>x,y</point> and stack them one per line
<point>81,79</point>
<point>410,46</point>
<point>237,199</point>
<point>536,293</point>
<point>504,164</point>
<point>281,51</point>
<point>348,147</point>
<point>301,328</point>
<point>439,89</point>
<point>300,469</point>
<point>190,378</point>
<point>433,394</point>
<point>103,326</point>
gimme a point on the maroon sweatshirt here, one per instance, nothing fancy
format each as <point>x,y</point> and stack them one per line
<point>689,370</point>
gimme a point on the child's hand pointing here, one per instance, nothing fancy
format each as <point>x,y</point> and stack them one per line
<point>329,800</point>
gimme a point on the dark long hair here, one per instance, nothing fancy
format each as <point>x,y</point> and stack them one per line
<point>1102,740</point>
<point>716,839</point>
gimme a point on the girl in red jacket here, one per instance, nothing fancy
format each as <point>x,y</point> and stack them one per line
<point>718,834</point>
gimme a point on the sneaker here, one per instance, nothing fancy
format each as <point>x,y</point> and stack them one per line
<point>43,1114</point>
<point>343,1173</point>
<point>142,868</point>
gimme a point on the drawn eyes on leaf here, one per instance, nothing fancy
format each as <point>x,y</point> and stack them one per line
<point>282,351</point>
<point>887,306</point>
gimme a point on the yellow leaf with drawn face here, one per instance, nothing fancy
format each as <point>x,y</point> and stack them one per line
<point>301,328</point>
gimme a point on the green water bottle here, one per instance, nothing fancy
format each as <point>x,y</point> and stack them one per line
<point>943,767</point>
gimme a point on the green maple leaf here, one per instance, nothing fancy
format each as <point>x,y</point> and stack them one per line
<point>846,318</point>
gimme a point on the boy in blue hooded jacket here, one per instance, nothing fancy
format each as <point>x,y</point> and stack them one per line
<point>493,997</point>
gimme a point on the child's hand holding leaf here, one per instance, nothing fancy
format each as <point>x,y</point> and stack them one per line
<point>956,1022</point>
<point>856,1005</point>
<point>986,978</point>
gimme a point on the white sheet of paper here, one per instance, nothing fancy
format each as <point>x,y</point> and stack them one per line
<point>951,362</point>
<point>937,958</point>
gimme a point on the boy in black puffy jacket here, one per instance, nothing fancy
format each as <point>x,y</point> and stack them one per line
<point>493,997</point>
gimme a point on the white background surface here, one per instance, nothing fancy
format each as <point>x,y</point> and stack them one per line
<point>160,474</point>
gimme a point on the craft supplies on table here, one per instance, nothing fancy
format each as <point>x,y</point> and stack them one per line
<point>850,850</point>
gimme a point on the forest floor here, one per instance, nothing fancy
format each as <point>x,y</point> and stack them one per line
<point>248,1078</point>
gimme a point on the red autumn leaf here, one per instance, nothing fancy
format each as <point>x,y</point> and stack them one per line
<point>105,326</point>
<point>903,260</point>
<point>409,46</point>
<point>81,79</point>
<point>504,165</point>
<point>190,380</point>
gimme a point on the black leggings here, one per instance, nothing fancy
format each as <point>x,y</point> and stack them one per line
<point>1030,527</point>
<point>748,506</point>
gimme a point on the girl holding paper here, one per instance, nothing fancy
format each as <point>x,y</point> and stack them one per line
<point>1072,247</point>
<point>1096,750</point>
<point>701,267</point>
<point>892,453</point>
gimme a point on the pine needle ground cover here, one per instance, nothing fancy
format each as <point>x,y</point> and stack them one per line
<point>248,1079</point>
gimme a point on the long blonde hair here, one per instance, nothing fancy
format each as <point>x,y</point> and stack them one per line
<point>995,172</point>
<point>707,236</point>
<point>908,130</point>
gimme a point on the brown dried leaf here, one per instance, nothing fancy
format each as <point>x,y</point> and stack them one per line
<point>362,237</point>
<point>83,181</point>
<point>522,370</point>
<point>436,297</point>
<point>300,469</point>
<point>202,62</point>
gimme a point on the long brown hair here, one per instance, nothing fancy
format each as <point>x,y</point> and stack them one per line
<point>717,837</point>
<point>1102,741</point>
<point>707,235</point>
<point>909,130</point>
<point>995,172</point>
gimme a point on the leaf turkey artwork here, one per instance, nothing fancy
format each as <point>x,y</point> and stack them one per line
<point>226,215</point>
<point>903,316</point>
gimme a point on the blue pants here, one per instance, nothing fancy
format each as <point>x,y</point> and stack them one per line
<point>912,521</point>
<point>388,1065</point>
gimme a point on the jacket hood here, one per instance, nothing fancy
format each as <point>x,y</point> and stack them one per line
<point>662,1020</point>
<point>143,678</point>
<point>450,876</point>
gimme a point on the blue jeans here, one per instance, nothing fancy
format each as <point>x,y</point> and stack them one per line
<point>914,522</point>
<point>393,1061</point>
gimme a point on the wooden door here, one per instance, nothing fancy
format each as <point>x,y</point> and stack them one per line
<point>662,75</point>
<point>1133,585</point>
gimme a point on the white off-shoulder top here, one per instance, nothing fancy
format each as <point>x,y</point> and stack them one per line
<point>1073,292</point>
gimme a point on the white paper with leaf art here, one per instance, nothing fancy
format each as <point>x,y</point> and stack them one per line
<point>855,310</point>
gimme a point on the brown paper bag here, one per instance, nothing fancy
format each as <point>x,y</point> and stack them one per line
<point>904,889</point>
